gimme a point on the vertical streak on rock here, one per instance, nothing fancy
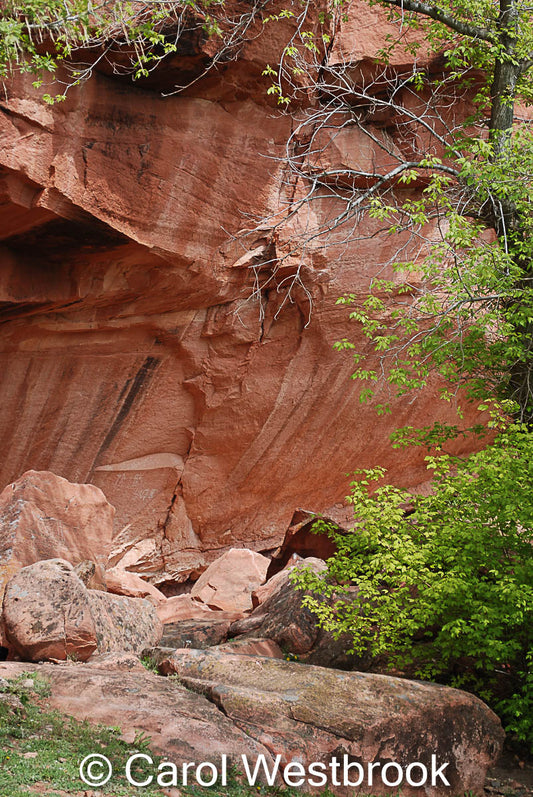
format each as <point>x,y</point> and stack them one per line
<point>138,384</point>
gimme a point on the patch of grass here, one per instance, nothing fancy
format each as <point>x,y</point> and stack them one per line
<point>39,746</point>
<point>148,663</point>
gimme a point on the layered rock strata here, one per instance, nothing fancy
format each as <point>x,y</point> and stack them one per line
<point>142,346</point>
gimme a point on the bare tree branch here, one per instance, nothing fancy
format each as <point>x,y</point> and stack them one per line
<point>436,13</point>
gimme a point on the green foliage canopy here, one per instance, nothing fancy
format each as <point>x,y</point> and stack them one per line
<point>447,590</point>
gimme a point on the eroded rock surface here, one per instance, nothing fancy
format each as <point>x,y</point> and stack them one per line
<point>143,349</point>
<point>43,516</point>
<point>92,575</point>
<point>195,633</point>
<point>48,613</point>
<point>308,713</point>
<point>124,624</point>
<point>240,705</point>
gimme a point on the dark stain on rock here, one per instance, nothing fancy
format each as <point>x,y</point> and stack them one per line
<point>138,384</point>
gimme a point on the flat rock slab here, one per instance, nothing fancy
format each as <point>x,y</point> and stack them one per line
<point>246,647</point>
<point>183,725</point>
<point>310,714</point>
<point>296,714</point>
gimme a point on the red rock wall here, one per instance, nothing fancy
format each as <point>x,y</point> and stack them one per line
<point>131,353</point>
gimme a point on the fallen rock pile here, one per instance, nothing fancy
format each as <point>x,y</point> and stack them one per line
<point>48,613</point>
<point>227,642</point>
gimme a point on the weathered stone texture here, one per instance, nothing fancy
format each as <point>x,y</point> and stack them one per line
<point>238,705</point>
<point>133,352</point>
<point>48,613</point>
<point>308,713</point>
<point>124,624</point>
<point>182,726</point>
<point>43,516</point>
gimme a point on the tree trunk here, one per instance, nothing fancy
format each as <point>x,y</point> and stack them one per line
<point>506,219</point>
<point>503,89</point>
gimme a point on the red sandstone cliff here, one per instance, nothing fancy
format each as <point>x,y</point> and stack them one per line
<point>132,354</point>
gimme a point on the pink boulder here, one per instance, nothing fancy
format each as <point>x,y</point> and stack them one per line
<point>122,582</point>
<point>123,624</point>
<point>183,607</point>
<point>48,613</point>
<point>228,583</point>
<point>43,516</point>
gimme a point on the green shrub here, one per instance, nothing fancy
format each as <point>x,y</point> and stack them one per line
<point>445,589</point>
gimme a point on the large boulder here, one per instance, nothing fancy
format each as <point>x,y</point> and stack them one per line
<point>43,516</point>
<point>203,634</point>
<point>229,581</point>
<point>282,617</point>
<point>183,607</point>
<point>48,613</point>
<point>308,714</point>
<point>124,624</point>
